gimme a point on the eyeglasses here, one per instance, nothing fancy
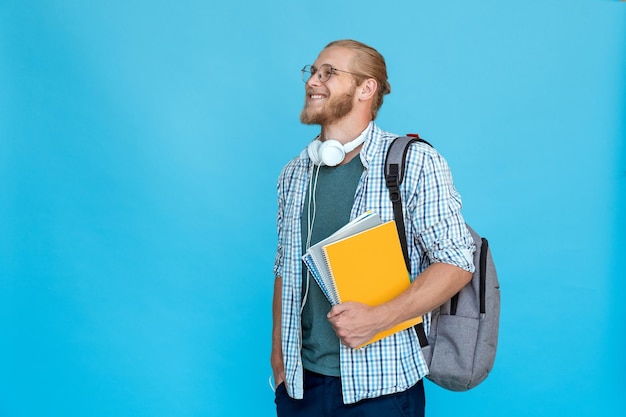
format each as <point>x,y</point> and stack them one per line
<point>323,72</point>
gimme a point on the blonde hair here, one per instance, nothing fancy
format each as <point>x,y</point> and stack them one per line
<point>371,64</point>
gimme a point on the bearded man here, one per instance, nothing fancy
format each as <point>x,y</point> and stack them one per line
<point>318,367</point>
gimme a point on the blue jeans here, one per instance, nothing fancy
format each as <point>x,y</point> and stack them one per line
<point>322,398</point>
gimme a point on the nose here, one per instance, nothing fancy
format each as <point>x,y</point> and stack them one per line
<point>313,81</point>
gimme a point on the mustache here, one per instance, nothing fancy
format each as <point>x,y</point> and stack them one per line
<point>310,91</point>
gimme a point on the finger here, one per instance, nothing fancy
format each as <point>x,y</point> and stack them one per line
<point>336,310</point>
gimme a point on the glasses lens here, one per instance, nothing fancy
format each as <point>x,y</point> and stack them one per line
<point>325,71</point>
<point>307,71</point>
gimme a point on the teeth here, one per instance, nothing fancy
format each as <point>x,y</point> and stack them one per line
<point>317,96</point>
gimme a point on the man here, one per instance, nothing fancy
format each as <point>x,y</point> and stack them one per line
<point>318,370</point>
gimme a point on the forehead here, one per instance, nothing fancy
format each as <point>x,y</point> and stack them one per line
<point>336,56</point>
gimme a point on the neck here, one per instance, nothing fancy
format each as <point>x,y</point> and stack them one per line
<point>345,134</point>
<point>344,131</point>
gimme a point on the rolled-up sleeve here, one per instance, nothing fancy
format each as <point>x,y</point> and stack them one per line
<point>439,228</point>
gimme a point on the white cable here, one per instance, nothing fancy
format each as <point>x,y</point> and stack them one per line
<point>310,222</point>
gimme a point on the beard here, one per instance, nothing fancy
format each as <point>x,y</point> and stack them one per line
<point>333,110</point>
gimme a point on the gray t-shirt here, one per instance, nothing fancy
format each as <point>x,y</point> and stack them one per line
<point>334,195</point>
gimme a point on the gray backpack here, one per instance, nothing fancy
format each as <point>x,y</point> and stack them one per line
<point>461,346</point>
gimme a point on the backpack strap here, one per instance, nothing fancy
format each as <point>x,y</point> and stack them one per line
<point>394,174</point>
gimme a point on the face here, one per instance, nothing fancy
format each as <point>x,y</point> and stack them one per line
<point>330,101</point>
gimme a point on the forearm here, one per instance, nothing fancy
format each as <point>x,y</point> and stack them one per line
<point>433,287</point>
<point>356,323</point>
<point>276,358</point>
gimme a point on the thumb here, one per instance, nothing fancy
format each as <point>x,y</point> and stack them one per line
<point>336,310</point>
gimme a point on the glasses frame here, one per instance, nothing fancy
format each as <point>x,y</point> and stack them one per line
<point>312,70</point>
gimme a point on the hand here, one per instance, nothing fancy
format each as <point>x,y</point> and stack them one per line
<point>278,367</point>
<point>354,323</point>
<point>276,358</point>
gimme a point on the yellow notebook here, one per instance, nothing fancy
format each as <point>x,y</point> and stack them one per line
<point>369,268</point>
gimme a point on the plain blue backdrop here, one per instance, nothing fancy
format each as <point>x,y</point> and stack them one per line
<point>140,143</point>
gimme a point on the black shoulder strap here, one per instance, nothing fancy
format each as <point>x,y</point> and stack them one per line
<point>394,174</point>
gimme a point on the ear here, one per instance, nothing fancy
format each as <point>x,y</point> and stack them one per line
<point>367,89</point>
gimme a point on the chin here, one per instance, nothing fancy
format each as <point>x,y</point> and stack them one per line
<point>310,118</point>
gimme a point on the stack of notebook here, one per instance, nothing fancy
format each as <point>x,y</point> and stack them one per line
<point>361,262</point>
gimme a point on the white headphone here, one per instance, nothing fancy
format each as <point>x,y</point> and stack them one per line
<point>331,152</point>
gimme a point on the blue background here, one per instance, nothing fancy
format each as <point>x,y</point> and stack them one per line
<point>140,145</point>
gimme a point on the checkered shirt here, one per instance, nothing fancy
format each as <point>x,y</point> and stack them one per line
<point>435,230</point>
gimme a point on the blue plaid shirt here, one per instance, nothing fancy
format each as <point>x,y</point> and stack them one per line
<point>435,231</point>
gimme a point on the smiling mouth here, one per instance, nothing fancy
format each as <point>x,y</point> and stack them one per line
<point>315,95</point>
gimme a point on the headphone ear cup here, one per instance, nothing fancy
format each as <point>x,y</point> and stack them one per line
<point>313,151</point>
<point>331,152</point>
